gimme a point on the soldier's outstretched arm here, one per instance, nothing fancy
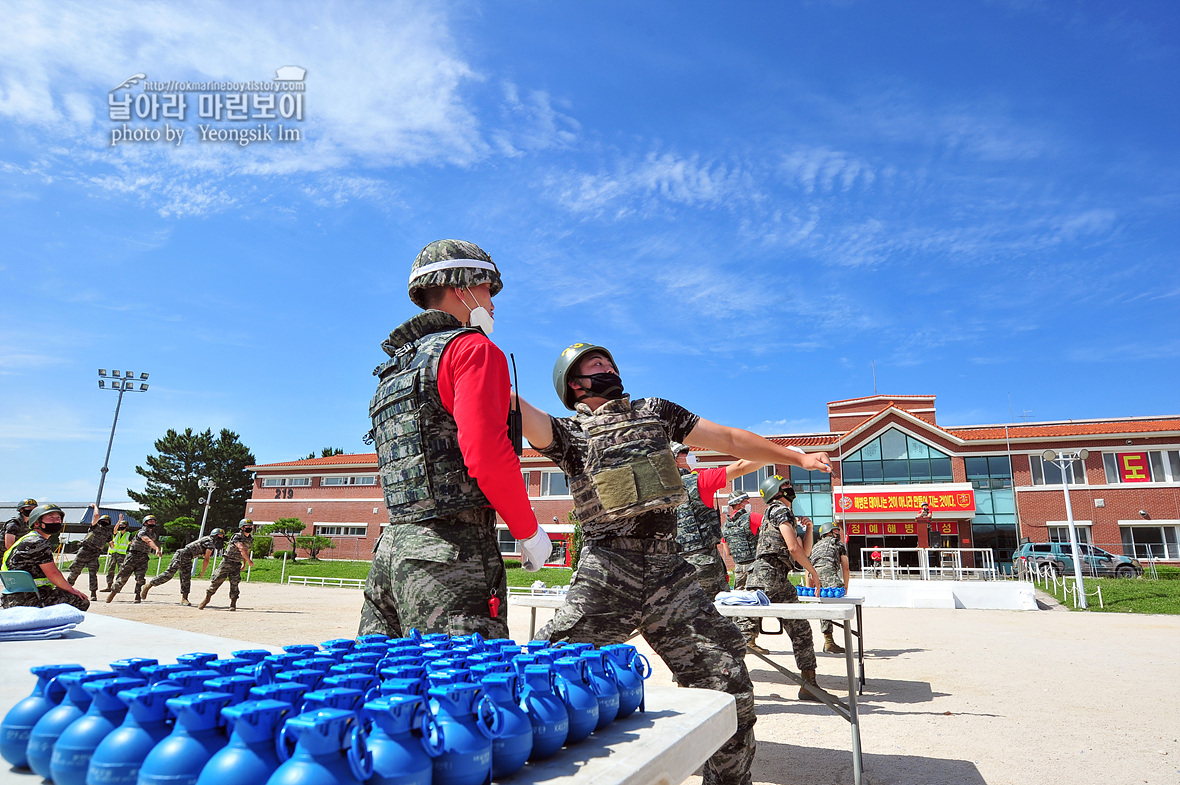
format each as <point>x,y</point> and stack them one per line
<point>752,447</point>
<point>535,423</point>
<point>738,468</point>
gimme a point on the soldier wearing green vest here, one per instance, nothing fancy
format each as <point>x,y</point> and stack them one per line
<point>33,553</point>
<point>447,465</point>
<point>143,544</point>
<point>631,576</point>
<point>117,551</point>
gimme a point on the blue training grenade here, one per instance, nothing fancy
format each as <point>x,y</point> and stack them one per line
<point>468,721</point>
<point>119,756</point>
<point>330,749</point>
<point>601,676</point>
<point>250,757</point>
<point>19,721</point>
<point>47,730</point>
<point>511,749</point>
<point>77,743</point>
<point>580,700</point>
<point>403,739</point>
<point>546,710</point>
<point>195,738</point>
<point>631,669</point>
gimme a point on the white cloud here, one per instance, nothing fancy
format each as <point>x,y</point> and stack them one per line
<point>532,123</point>
<point>824,169</point>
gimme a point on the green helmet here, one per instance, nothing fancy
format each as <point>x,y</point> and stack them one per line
<point>246,523</point>
<point>26,503</point>
<point>825,528</point>
<point>567,362</point>
<point>104,519</point>
<point>217,533</point>
<point>41,510</point>
<point>452,263</point>
<point>774,486</point>
<point>150,518</point>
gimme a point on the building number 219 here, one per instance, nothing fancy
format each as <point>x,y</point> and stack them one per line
<point>284,493</point>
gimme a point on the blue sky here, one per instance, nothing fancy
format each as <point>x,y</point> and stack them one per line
<point>749,203</point>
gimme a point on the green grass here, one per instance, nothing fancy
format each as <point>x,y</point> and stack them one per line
<point>1127,595</point>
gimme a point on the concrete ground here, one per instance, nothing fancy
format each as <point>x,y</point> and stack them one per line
<point>952,696</point>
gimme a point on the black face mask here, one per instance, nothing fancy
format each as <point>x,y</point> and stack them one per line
<point>603,385</point>
<point>51,528</point>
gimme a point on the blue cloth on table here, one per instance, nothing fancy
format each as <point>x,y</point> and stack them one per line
<point>31,623</point>
<point>743,597</point>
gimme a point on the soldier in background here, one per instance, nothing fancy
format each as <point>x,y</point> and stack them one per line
<point>830,559</point>
<point>143,545</point>
<point>33,553</point>
<point>625,487</point>
<point>698,521</point>
<point>783,545</point>
<point>91,549</point>
<point>447,465</point>
<point>117,552</point>
<point>18,525</point>
<point>236,552</point>
<point>182,562</point>
<point>740,537</point>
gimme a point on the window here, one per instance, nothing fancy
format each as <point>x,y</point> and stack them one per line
<point>348,481</point>
<point>749,483</point>
<point>343,530</point>
<point>508,543</point>
<point>1145,466</point>
<point>989,473</point>
<point>1048,473</point>
<point>1150,542</point>
<point>1061,533</point>
<point>898,459</point>
<point>285,482</point>
<point>554,484</point>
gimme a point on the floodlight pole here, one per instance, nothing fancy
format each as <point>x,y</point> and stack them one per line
<point>1062,460</point>
<point>122,384</point>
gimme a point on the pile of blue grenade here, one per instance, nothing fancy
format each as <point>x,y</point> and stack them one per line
<point>830,592</point>
<point>407,711</point>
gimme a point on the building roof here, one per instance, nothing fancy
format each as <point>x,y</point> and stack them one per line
<point>1049,430</point>
<point>333,461</point>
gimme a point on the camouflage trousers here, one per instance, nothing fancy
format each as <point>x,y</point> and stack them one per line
<point>773,577</point>
<point>137,563</point>
<point>87,560</point>
<point>441,575</point>
<point>625,584</point>
<point>181,563</point>
<point>43,598</point>
<point>229,570</point>
<point>740,573</point>
<point>114,563</point>
<point>711,572</point>
<point>828,579</point>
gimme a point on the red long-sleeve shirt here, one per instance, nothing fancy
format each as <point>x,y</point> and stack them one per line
<point>474,387</point>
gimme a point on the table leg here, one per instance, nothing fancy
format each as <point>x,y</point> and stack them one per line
<point>532,622</point>
<point>853,717</point>
<point>860,647</point>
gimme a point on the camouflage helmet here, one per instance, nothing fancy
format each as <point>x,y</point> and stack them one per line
<point>452,263</point>
<point>776,485</point>
<point>738,498</point>
<point>566,362</point>
<point>677,448</point>
<point>41,510</point>
<point>30,503</point>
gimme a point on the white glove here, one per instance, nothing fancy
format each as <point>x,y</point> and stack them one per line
<point>535,551</point>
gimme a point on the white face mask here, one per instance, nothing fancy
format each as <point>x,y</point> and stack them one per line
<point>479,316</point>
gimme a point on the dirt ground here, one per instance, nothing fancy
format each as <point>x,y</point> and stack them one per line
<point>958,696</point>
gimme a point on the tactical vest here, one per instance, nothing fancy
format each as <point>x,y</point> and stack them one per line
<point>232,554</point>
<point>120,543</point>
<point>770,539</point>
<point>698,527</point>
<point>41,582</point>
<point>825,555</point>
<point>138,545</point>
<point>98,538</point>
<point>742,543</point>
<point>423,474</point>
<point>628,468</point>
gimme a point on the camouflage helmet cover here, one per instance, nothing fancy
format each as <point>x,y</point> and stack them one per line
<point>678,449</point>
<point>738,498</point>
<point>452,263</point>
<point>776,485</point>
<point>27,504</point>
<point>566,362</point>
<point>41,510</point>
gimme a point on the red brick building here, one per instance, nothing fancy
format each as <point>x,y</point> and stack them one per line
<point>987,485</point>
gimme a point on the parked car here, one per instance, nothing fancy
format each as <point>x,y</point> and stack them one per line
<point>1059,557</point>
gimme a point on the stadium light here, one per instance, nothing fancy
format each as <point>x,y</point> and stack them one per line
<point>1063,460</point>
<point>122,386</point>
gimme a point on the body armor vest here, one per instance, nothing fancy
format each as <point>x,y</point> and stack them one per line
<point>628,467</point>
<point>770,539</point>
<point>138,545</point>
<point>742,543</point>
<point>698,527</point>
<point>422,470</point>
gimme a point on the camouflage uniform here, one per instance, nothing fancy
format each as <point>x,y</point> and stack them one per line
<point>826,558</point>
<point>772,574</point>
<point>698,533</point>
<point>138,555</point>
<point>437,567</point>
<point>89,553</point>
<point>630,575</point>
<point>28,554</point>
<point>116,554</point>
<point>16,526</point>
<point>742,544</point>
<point>182,562</point>
<point>230,569</point>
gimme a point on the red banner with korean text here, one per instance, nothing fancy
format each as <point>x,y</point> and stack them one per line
<point>891,501</point>
<point>859,529</point>
<point>1133,467</point>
